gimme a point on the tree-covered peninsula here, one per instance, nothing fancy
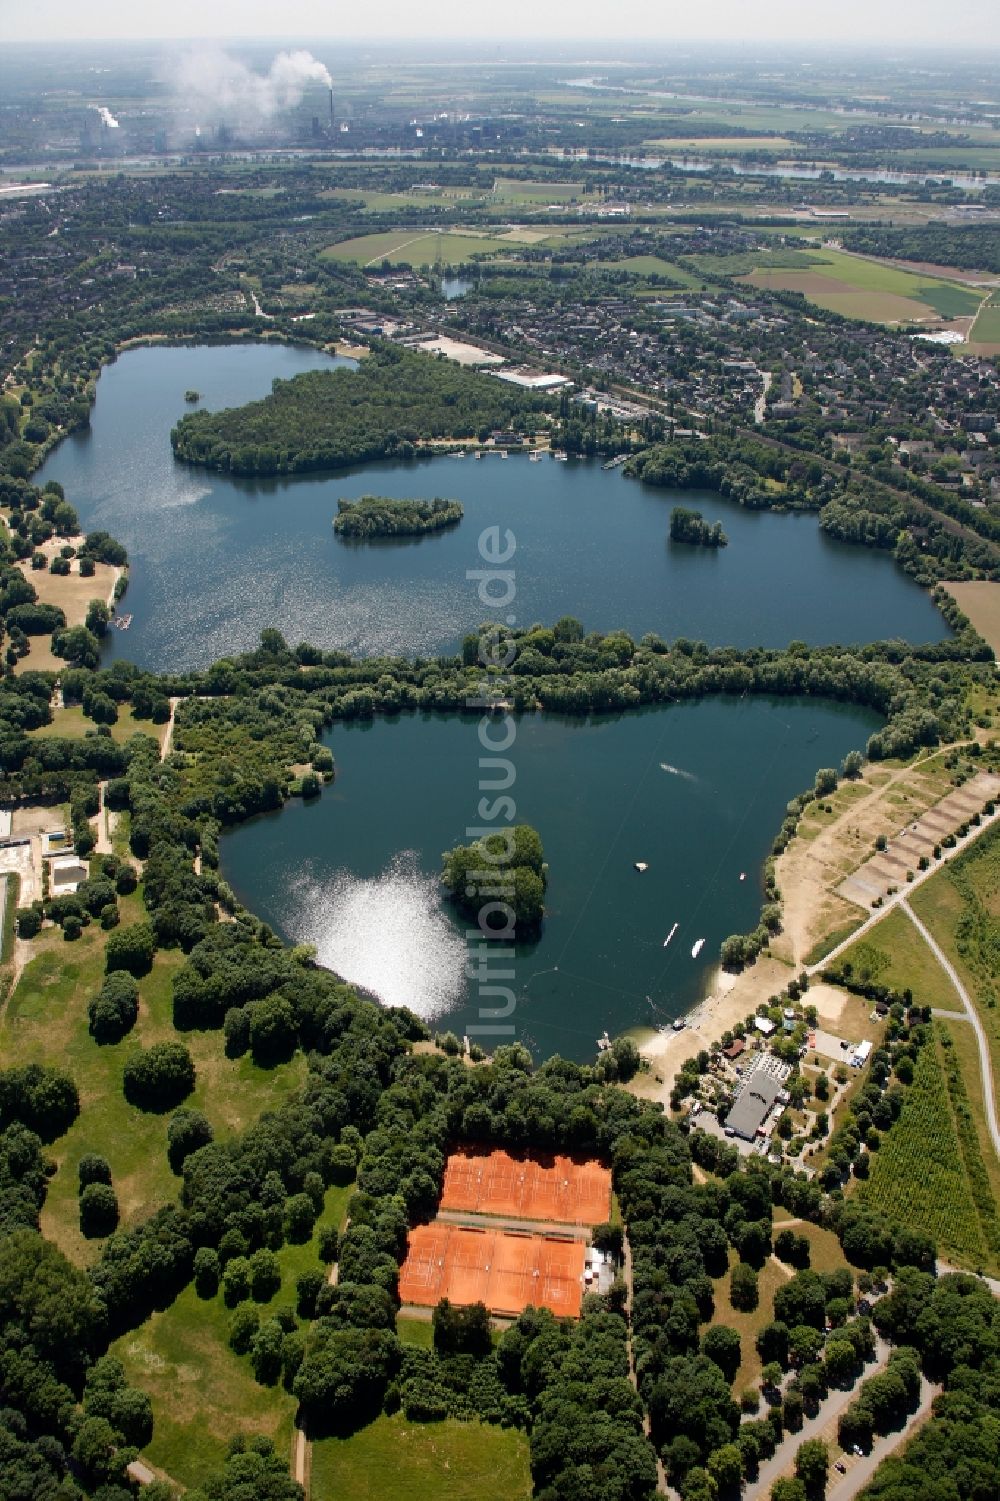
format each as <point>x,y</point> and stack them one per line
<point>691,527</point>
<point>375,516</point>
<point>392,402</point>
<point>504,868</point>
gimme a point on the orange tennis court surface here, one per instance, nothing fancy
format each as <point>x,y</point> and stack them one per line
<point>506,1272</point>
<point>536,1188</point>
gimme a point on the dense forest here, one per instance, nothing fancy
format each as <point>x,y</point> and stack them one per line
<point>377,516</point>
<point>393,402</point>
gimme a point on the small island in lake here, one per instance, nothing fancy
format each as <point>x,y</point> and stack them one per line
<point>505,868</point>
<point>376,516</point>
<point>689,526</point>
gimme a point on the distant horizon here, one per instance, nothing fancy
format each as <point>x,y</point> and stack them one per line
<point>681,47</point>
<point>903,25</point>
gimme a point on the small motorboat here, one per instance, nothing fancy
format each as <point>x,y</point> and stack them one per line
<point>697,948</point>
<point>641,866</point>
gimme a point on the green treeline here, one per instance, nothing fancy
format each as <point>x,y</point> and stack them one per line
<point>972,247</point>
<point>691,527</point>
<point>378,516</point>
<point>325,418</point>
<point>506,869</point>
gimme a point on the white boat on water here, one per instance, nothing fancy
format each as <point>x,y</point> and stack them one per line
<point>670,935</point>
<point>641,866</point>
<point>697,948</point>
<point>603,1042</point>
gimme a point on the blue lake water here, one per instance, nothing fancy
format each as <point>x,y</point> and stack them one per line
<point>216,559</point>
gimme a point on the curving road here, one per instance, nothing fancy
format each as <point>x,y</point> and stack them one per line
<point>985,1062</point>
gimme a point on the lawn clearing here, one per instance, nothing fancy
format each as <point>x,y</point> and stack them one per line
<point>46,1021</point>
<point>392,1459</point>
<point>202,1393</point>
<point>70,723</point>
<point>654,265</point>
<point>749,1325</point>
<point>511,190</point>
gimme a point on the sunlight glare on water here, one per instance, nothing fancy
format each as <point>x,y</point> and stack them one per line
<point>388,935</point>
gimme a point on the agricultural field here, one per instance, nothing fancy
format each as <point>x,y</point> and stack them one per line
<point>929,1170</point>
<point>985,332</point>
<point>45,1021</point>
<point>860,288</point>
<point>446,1461</point>
<point>980,599</point>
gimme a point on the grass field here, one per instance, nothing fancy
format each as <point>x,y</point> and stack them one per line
<point>414,247</point>
<point>893,953</point>
<point>920,1176</point>
<point>202,1393</point>
<point>654,265</point>
<point>71,723</point>
<point>393,1460</point>
<point>961,907</point>
<point>46,1021</point>
<point>510,190</point>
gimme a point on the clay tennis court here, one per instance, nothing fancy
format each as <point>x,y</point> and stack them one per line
<point>540,1187</point>
<point>505,1271</point>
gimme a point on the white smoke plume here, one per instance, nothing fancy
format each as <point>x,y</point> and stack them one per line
<point>212,85</point>
<point>107,118</point>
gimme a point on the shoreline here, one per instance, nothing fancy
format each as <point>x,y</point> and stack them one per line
<point>730,998</point>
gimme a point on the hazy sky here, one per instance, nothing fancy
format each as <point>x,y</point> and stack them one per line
<point>971,23</point>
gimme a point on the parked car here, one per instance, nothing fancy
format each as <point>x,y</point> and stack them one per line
<point>840,1467</point>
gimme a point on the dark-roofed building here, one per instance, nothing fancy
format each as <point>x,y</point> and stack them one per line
<point>759,1093</point>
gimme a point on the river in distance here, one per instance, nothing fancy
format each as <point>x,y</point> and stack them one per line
<point>215,559</point>
<point>695,791</point>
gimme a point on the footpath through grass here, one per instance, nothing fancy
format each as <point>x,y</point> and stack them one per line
<point>393,1460</point>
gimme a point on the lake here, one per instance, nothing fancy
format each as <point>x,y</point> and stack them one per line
<point>216,559</point>
<point>696,790</point>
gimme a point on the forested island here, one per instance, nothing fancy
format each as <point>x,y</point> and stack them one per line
<point>691,528</point>
<point>518,875</point>
<point>376,516</point>
<point>392,402</point>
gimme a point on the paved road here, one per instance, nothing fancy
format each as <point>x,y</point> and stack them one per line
<point>985,1062</point>
<point>846,1487</point>
<point>945,1269</point>
<point>899,899</point>
<point>783,1459</point>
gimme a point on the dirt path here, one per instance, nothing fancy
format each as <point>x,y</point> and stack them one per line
<point>971,1014</point>
<point>168,738</point>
